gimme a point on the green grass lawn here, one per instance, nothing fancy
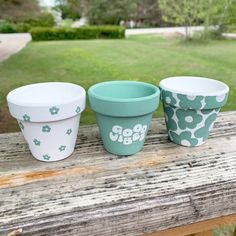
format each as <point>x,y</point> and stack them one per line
<point>142,58</point>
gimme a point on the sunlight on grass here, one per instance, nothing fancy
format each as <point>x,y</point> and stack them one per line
<point>142,58</point>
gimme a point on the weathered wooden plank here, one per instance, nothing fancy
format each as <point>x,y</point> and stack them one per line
<point>96,193</point>
<point>199,227</point>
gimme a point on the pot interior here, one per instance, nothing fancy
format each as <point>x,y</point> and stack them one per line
<point>123,90</point>
<point>194,86</point>
<point>45,94</point>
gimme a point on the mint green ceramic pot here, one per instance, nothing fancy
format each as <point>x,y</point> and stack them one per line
<point>191,105</point>
<point>123,113</point>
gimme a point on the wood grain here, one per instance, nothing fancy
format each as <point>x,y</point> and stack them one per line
<point>96,193</point>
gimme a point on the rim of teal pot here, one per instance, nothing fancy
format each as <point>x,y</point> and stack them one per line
<point>124,107</point>
<point>193,99</point>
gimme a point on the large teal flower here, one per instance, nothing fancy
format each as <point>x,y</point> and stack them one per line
<point>183,138</point>
<point>169,113</point>
<point>204,131</point>
<point>188,118</point>
<point>215,101</point>
<point>190,102</point>
<point>168,97</point>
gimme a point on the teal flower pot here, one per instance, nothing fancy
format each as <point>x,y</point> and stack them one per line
<point>123,113</point>
<point>191,105</point>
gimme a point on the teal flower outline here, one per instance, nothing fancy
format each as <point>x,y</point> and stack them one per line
<point>46,129</point>
<point>54,110</point>
<point>69,131</point>
<point>21,125</point>
<point>26,117</point>
<point>183,137</point>
<point>211,102</point>
<point>168,97</point>
<point>46,157</point>
<point>204,131</point>
<point>169,113</point>
<point>62,148</point>
<point>78,109</point>
<point>184,115</point>
<point>190,104</point>
<point>36,142</point>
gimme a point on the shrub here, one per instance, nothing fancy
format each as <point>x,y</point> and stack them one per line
<point>23,27</point>
<point>7,27</point>
<point>87,32</point>
<point>43,20</point>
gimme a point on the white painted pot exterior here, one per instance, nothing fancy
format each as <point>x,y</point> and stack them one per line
<point>48,115</point>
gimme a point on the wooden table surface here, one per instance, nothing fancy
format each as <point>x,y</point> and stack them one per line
<point>96,193</point>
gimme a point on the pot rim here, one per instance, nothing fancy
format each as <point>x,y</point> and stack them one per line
<point>12,96</point>
<point>92,92</point>
<point>127,106</point>
<point>165,86</point>
<point>45,102</point>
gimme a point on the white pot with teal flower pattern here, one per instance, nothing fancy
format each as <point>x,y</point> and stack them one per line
<point>191,105</point>
<point>48,115</point>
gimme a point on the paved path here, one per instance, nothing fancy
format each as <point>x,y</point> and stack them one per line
<point>12,43</point>
<point>229,35</point>
<point>165,30</point>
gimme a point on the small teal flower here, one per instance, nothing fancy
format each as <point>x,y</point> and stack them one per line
<point>36,142</point>
<point>184,138</point>
<point>21,125</point>
<point>46,128</point>
<point>78,110</point>
<point>46,157</point>
<point>188,118</point>
<point>62,148</point>
<point>69,131</point>
<point>190,102</point>
<point>169,113</point>
<point>168,97</point>
<point>54,110</point>
<point>26,117</point>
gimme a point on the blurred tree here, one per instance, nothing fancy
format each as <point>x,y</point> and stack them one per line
<point>18,10</point>
<point>68,8</point>
<point>182,12</point>
<point>111,12</point>
<point>224,14</point>
<point>142,12</point>
<point>221,14</point>
<point>148,13</point>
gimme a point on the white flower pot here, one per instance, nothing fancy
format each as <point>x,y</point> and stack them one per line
<point>48,115</point>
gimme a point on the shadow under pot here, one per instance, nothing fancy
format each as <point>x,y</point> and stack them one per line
<point>123,113</point>
<point>191,105</point>
<point>48,115</point>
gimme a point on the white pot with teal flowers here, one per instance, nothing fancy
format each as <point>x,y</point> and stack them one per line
<point>191,105</point>
<point>48,115</point>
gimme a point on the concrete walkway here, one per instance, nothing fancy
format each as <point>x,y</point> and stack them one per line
<point>229,35</point>
<point>12,43</point>
<point>165,30</point>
